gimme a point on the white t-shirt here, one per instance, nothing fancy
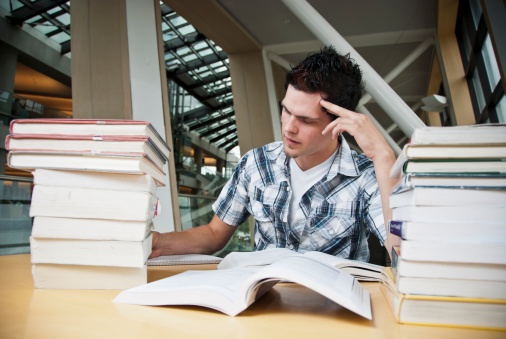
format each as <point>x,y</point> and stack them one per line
<point>301,181</point>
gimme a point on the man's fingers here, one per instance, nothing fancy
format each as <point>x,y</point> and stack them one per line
<point>334,109</point>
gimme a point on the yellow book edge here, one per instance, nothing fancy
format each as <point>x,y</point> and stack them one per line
<point>387,287</point>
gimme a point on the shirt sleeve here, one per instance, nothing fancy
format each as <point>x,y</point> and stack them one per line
<point>373,211</point>
<point>231,205</point>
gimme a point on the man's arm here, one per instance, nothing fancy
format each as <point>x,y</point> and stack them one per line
<point>205,239</point>
<point>375,147</point>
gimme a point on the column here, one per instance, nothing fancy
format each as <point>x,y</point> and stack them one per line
<point>118,73</point>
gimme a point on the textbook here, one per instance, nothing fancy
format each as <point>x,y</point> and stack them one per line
<point>360,270</point>
<point>90,127</point>
<point>443,311</point>
<point>489,166</point>
<point>83,277</point>
<point>452,231</point>
<point>463,214</point>
<point>233,290</point>
<point>457,251</point>
<point>447,197</point>
<point>445,270</point>
<point>100,180</point>
<point>470,287</point>
<point>468,181</point>
<point>91,229</point>
<point>96,144</point>
<point>483,134</point>
<point>183,259</point>
<point>86,161</point>
<point>90,252</point>
<point>87,203</point>
<point>412,152</point>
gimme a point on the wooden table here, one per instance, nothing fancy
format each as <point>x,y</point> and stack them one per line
<point>287,311</point>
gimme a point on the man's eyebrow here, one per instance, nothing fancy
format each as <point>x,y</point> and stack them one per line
<point>300,116</point>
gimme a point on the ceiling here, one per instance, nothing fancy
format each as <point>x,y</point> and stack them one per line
<point>384,32</point>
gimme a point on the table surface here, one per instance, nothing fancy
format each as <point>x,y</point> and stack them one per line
<point>286,311</point>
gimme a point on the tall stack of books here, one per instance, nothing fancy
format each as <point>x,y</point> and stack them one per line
<point>449,209</point>
<point>93,201</point>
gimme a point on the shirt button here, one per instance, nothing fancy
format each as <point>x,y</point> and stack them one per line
<point>331,231</point>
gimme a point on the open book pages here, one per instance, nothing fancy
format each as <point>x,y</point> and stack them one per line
<point>231,291</point>
<point>360,270</point>
<point>184,259</point>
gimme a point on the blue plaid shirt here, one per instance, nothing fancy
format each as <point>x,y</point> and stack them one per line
<point>339,211</point>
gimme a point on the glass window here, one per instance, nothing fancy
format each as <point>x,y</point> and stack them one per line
<point>45,28</point>
<point>478,91</point>
<point>490,63</point>
<point>64,19</point>
<point>501,110</point>
<point>61,37</point>
<point>475,11</point>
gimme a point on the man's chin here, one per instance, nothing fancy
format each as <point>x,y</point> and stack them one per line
<point>290,153</point>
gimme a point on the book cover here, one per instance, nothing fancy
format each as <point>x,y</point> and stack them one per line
<point>428,196</point>
<point>87,203</point>
<point>483,134</point>
<point>98,180</point>
<point>92,127</point>
<point>79,161</point>
<point>84,277</point>
<point>90,252</point>
<point>448,231</point>
<point>90,229</point>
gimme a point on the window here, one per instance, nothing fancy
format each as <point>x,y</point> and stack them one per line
<point>478,30</point>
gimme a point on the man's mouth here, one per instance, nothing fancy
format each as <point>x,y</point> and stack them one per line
<point>291,142</point>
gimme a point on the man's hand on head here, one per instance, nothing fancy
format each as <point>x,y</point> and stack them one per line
<point>358,125</point>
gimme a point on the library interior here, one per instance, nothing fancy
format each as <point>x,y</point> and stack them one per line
<point>121,117</point>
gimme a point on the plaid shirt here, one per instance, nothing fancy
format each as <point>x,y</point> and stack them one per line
<point>338,212</point>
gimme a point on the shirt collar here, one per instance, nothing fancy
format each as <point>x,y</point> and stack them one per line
<point>344,162</point>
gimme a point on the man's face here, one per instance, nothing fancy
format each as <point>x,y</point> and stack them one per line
<point>303,120</point>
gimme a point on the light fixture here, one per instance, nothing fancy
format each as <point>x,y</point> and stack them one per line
<point>434,103</point>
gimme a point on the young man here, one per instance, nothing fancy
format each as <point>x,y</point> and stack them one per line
<point>309,192</point>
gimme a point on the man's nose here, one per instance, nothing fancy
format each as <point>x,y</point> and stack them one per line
<point>291,124</point>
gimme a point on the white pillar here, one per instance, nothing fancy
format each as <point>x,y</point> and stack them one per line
<point>146,86</point>
<point>384,95</point>
<point>273,102</point>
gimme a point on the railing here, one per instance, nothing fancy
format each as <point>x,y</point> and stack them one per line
<point>15,223</point>
<point>197,210</point>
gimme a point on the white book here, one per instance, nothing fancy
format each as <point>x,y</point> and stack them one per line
<point>466,252</point>
<point>91,229</point>
<point>184,259</point>
<point>482,134</point>
<point>449,270</point>
<point>101,180</point>
<point>448,231</point>
<point>362,271</point>
<point>424,196</point>
<point>74,202</point>
<point>90,252</point>
<point>463,214</point>
<point>84,277</point>
<point>231,291</point>
<point>79,161</point>
<point>463,288</point>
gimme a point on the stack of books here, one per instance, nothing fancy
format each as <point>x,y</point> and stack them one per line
<point>449,209</point>
<point>93,201</point>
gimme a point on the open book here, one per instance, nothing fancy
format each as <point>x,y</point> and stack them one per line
<point>360,270</point>
<point>231,291</point>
